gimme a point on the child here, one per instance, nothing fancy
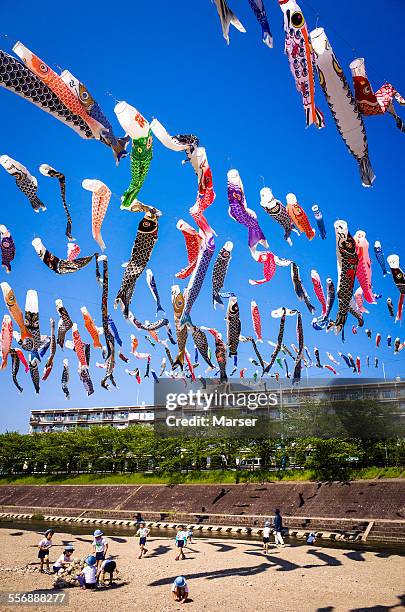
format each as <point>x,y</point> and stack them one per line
<point>181,538</point>
<point>180,590</point>
<point>266,537</point>
<point>88,576</point>
<point>143,533</point>
<point>43,553</point>
<point>107,567</point>
<point>100,546</point>
<point>189,535</point>
<point>64,560</point>
<point>311,539</point>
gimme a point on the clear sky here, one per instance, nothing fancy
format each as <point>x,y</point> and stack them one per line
<point>169,60</point>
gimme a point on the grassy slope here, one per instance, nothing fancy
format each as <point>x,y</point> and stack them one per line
<point>214,477</point>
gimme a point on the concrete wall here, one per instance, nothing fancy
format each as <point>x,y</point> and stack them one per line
<point>384,499</point>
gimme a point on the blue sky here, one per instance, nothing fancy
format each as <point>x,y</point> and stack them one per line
<point>170,61</point>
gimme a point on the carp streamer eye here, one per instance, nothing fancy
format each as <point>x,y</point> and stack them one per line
<point>367,89</point>
<point>43,68</point>
<point>298,20</point>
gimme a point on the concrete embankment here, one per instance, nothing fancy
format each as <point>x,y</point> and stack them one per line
<point>372,510</point>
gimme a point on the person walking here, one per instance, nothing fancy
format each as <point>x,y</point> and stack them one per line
<point>278,528</point>
<point>266,537</point>
<point>143,533</point>
<point>181,538</point>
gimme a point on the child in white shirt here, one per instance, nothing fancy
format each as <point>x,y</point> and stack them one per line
<point>44,546</point>
<point>100,546</point>
<point>64,560</point>
<point>88,576</point>
<point>266,537</point>
<point>143,533</point>
<point>181,539</point>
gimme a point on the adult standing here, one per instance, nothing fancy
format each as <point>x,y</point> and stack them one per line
<point>278,528</point>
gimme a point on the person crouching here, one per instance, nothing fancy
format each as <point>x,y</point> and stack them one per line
<point>88,576</point>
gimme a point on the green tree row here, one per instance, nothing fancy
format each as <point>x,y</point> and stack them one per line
<point>139,449</point>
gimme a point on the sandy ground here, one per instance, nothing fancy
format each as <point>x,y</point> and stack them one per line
<point>222,575</point>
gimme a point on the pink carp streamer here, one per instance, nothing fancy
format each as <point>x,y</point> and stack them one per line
<point>316,281</point>
<point>363,271</point>
<point>6,339</point>
<point>100,199</point>
<point>269,267</point>
<point>256,320</point>
<point>358,298</point>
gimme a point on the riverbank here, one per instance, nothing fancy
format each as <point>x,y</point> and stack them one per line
<point>361,509</point>
<point>227,575</point>
<point>209,477</point>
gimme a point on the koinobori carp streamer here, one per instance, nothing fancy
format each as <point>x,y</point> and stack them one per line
<point>227,18</point>
<point>65,323</point>
<point>299,217</point>
<point>277,211</point>
<point>297,43</point>
<point>100,199</point>
<point>197,278</point>
<point>118,145</point>
<point>399,280</point>
<point>363,271</point>
<point>319,221</point>
<point>233,326</point>
<point>7,248</point>
<point>109,337</point>
<point>58,86</point>
<point>347,261</point>
<point>60,266</point>
<point>193,242</point>
<point>379,255</point>
<point>16,312</point>
<point>342,104</point>
<point>25,182</point>
<point>150,279</point>
<point>137,127</point>
<point>16,77</point>
<point>260,12</point>
<point>205,193</point>
<point>219,272</point>
<point>178,303</point>
<point>375,103</point>
<point>143,246</point>
<point>47,170</point>
<point>239,211</point>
